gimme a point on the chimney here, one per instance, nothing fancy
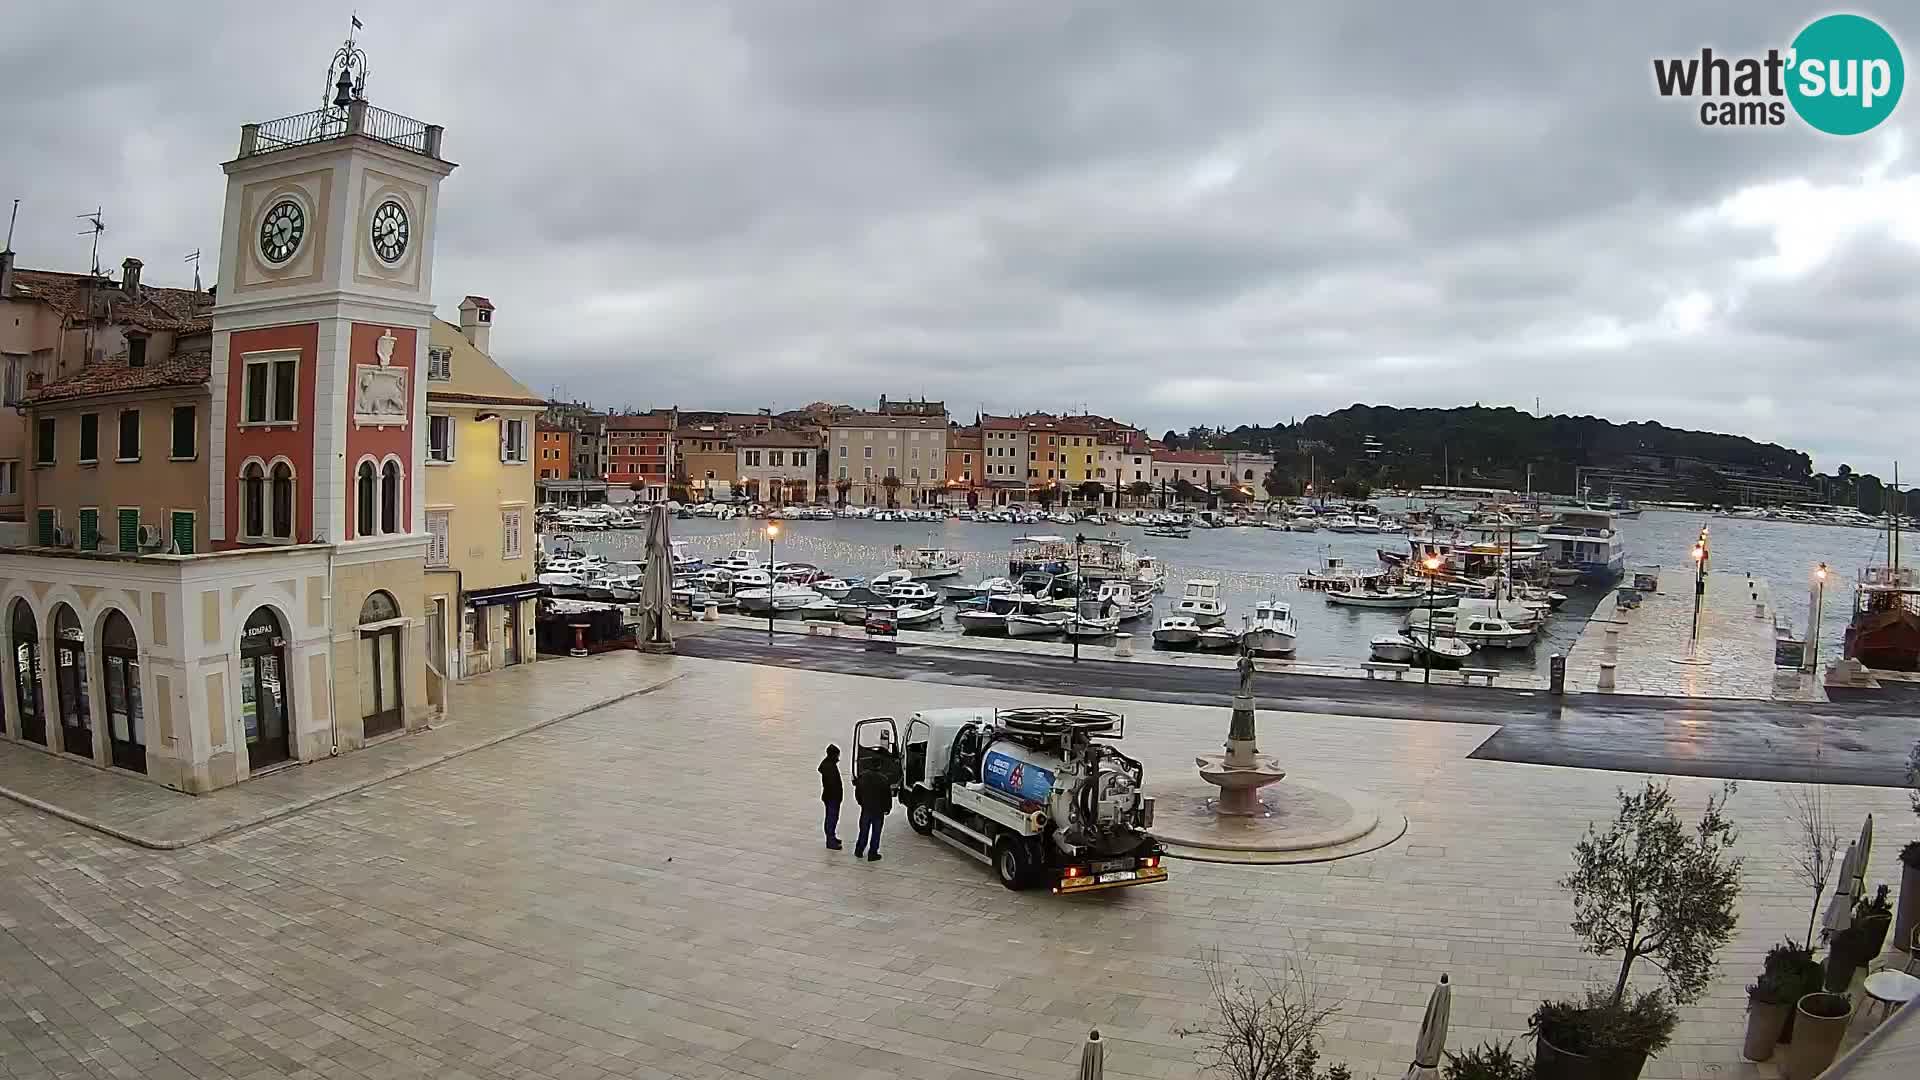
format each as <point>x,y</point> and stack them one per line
<point>130,278</point>
<point>476,322</point>
<point>6,274</point>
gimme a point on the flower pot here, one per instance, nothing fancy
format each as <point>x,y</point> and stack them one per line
<point>1907,914</point>
<point>1552,1063</point>
<point>1766,1022</point>
<point>1820,1023</point>
<point>1874,928</point>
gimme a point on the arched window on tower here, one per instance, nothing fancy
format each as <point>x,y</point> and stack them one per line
<point>364,499</point>
<point>390,498</point>
<point>283,501</point>
<point>253,507</point>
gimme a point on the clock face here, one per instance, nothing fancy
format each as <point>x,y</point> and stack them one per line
<point>282,230</point>
<point>389,231</point>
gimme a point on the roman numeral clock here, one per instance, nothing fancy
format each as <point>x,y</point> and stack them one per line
<point>389,231</point>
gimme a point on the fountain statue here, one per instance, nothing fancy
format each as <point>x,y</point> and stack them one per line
<point>1243,770</point>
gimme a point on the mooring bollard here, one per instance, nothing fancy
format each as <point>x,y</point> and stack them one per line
<point>1759,611</point>
<point>1556,674</point>
<point>1606,675</point>
<point>1613,642</point>
<point>712,613</point>
<point>1123,644</point>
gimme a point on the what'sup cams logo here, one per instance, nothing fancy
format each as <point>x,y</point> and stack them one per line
<point>1842,75</point>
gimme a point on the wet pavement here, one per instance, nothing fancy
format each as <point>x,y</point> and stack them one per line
<point>1729,739</point>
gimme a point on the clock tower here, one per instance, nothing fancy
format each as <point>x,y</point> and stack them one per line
<point>318,414</point>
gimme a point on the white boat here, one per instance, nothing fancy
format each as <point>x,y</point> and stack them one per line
<point>783,596</point>
<point>915,615</point>
<point>1200,601</point>
<point>1092,626</point>
<point>837,588</point>
<point>738,559</point>
<point>1393,649</point>
<point>882,585</point>
<point>1121,600</point>
<point>1389,599</point>
<point>1099,558</point>
<point>1335,574</point>
<point>825,609</point>
<point>1218,638</point>
<point>1046,553</point>
<point>1474,628</point>
<point>749,579</point>
<point>1583,540</point>
<point>1303,524</point>
<point>1366,523</point>
<point>1149,577</point>
<point>1176,631</point>
<point>1341,523</point>
<point>684,562</point>
<point>913,592</point>
<point>929,563</point>
<point>978,589</point>
<point>715,579</point>
<point>1273,629</point>
<point>1037,623</point>
<point>980,620</point>
<point>1441,650</point>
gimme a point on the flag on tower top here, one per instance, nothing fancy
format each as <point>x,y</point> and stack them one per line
<point>356,23</point>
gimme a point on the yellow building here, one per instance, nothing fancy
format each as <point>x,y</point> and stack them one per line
<point>480,568</point>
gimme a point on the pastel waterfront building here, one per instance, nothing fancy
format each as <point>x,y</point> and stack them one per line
<point>480,577</point>
<point>290,626</point>
<point>867,448</point>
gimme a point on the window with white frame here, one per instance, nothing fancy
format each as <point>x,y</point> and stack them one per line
<point>270,390</point>
<point>439,438</point>
<point>513,440</point>
<point>753,459</point>
<point>439,363</point>
<point>867,452</point>
<point>509,534</point>
<point>439,523</point>
<point>776,458</point>
<point>15,376</point>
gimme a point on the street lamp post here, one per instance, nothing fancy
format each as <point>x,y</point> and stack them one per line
<point>1816,611</point>
<point>1432,566</point>
<point>773,533</point>
<point>1700,555</point>
<point>1079,591</point>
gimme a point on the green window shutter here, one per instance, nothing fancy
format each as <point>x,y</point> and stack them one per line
<point>130,530</point>
<point>89,529</point>
<point>183,531</point>
<point>45,528</point>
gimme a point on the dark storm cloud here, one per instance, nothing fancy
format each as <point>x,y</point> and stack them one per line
<point>1178,213</point>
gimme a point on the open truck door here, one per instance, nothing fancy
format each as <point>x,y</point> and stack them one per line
<point>877,740</point>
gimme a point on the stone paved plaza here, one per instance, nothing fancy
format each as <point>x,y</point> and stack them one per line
<point>641,891</point>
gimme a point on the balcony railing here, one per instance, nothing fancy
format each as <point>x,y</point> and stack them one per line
<point>320,125</point>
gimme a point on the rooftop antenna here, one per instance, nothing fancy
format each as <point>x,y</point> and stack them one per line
<point>195,260</point>
<point>95,227</point>
<point>11,218</point>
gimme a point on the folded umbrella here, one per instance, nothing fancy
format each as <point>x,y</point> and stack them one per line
<point>1432,1043</point>
<point>1093,1058</point>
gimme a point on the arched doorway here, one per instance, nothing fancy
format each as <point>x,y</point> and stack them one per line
<point>120,670</point>
<point>380,652</point>
<point>70,680</point>
<point>263,690</point>
<point>29,673</point>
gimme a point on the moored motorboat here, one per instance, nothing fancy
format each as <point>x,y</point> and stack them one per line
<point>1385,599</point>
<point>1042,623</point>
<point>1176,631</point>
<point>1149,577</point>
<point>980,620</point>
<point>781,596</point>
<point>1218,638</point>
<point>1273,629</point>
<point>977,590</point>
<point>913,615</point>
<point>1200,601</point>
<point>1393,649</point>
<point>929,563</point>
<point>1441,650</point>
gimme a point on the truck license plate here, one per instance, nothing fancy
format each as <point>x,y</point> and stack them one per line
<point>1112,864</point>
<point>1122,875</point>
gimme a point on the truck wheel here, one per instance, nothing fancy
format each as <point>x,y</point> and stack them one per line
<point>920,815</point>
<point>1011,864</point>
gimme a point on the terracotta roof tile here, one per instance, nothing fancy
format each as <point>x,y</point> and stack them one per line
<point>178,310</point>
<point>184,369</point>
<point>777,438</point>
<point>883,420</point>
<point>639,423</point>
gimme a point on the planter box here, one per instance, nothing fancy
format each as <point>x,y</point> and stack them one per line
<point>1907,913</point>
<point>1816,1038</point>
<point>1766,1022</point>
<point>1553,1063</point>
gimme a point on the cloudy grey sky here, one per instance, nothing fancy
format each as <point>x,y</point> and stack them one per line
<point>1175,213</point>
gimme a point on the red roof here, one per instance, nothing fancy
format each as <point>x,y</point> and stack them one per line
<point>185,369</point>
<point>479,302</point>
<point>180,310</point>
<point>639,423</point>
<point>1190,457</point>
<point>1067,425</point>
<point>778,438</point>
<point>886,420</point>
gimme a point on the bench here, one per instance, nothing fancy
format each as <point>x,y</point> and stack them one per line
<point>1381,667</point>
<point>823,629</point>
<point>1468,674</point>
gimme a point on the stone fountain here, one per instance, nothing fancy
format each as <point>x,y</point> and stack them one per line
<point>1243,770</point>
<point>1298,822</point>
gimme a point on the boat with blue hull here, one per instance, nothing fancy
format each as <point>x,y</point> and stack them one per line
<point>1582,542</point>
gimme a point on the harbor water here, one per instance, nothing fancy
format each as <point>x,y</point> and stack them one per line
<point>1254,564</point>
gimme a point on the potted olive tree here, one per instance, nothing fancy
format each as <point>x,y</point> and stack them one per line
<point>1790,973</point>
<point>1488,1061</point>
<point>1852,948</point>
<point>1650,888</point>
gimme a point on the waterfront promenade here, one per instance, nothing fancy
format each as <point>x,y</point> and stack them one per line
<point>640,891</point>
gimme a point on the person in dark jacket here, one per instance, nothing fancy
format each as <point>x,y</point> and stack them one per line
<point>831,793</point>
<point>873,790</point>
